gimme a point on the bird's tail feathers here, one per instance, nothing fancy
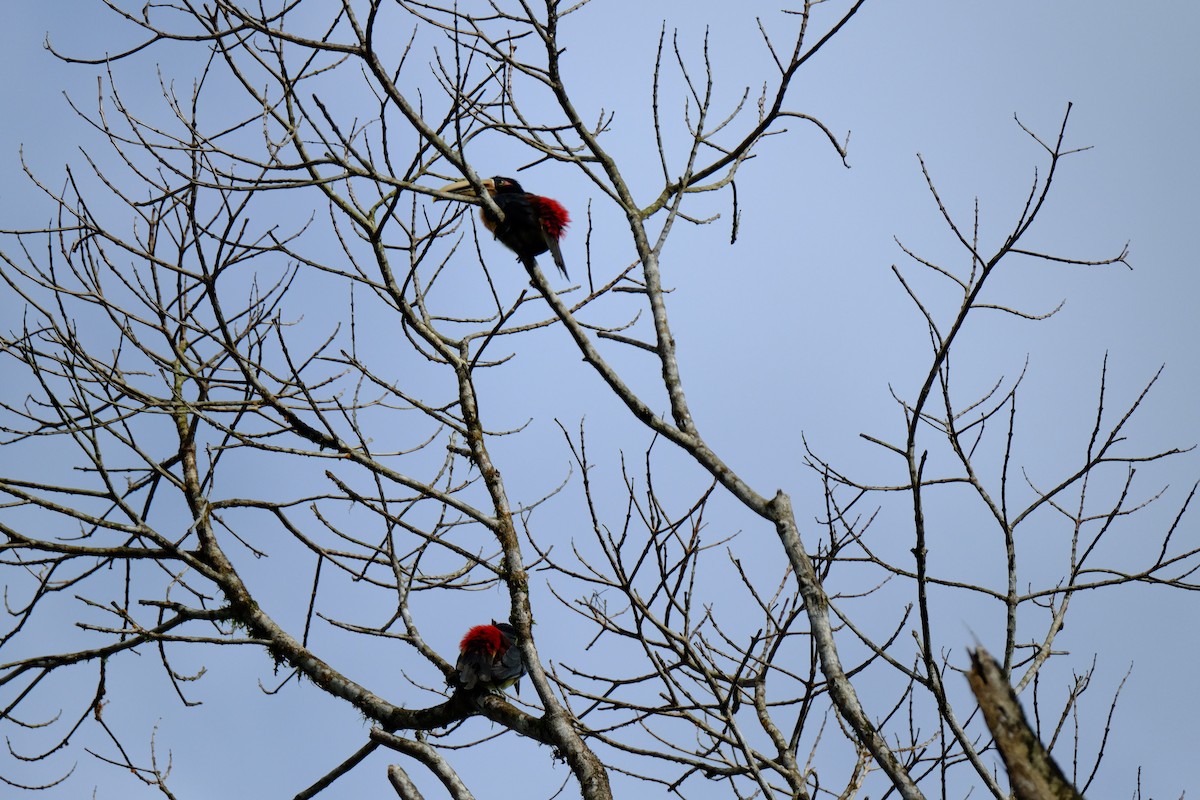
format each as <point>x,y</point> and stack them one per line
<point>556,254</point>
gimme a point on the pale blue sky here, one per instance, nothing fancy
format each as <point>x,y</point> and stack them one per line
<point>801,321</point>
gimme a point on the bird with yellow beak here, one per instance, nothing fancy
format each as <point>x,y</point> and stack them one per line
<point>532,224</point>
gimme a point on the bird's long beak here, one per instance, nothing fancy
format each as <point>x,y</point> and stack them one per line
<point>465,189</point>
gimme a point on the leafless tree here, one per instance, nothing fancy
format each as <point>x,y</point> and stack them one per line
<point>254,335</point>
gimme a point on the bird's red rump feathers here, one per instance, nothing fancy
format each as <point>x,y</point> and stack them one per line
<point>483,639</point>
<point>553,216</point>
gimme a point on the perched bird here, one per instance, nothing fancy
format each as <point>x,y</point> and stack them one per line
<point>489,659</point>
<point>532,224</point>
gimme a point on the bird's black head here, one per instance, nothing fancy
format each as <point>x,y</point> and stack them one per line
<point>502,185</point>
<point>504,627</point>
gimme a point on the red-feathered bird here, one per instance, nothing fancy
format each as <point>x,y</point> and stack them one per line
<point>532,224</point>
<point>489,659</point>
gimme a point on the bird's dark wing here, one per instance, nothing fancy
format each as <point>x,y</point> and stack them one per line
<point>471,670</point>
<point>508,668</point>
